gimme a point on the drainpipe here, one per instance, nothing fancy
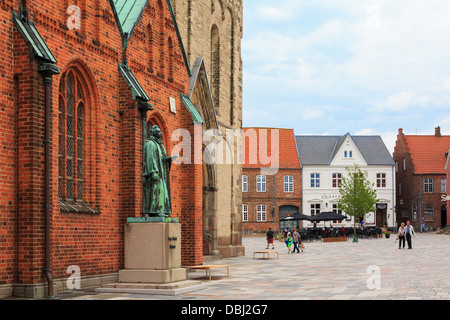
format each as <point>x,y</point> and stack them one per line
<point>143,107</point>
<point>48,70</point>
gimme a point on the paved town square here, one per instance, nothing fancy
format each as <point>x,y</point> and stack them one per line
<point>371,269</point>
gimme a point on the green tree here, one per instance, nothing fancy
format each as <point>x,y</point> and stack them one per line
<point>358,196</point>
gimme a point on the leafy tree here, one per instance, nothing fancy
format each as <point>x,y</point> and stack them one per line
<point>358,196</point>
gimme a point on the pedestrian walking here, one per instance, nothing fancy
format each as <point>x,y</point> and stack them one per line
<point>422,226</point>
<point>401,235</point>
<point>409,232</point>
<point>289,241</point>
<point>296,237</point>
<point>269,236</point>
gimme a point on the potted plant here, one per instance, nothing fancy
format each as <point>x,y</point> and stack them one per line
<point>387,234</point>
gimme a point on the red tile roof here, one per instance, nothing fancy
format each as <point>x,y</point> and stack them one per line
<point>258,151</point>
<point>428,153</point>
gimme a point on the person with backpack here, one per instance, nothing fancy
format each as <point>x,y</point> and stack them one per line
<point>289,241</point>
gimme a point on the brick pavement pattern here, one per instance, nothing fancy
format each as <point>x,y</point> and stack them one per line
<point>328,271</point>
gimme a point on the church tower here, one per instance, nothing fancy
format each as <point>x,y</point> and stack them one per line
<point>211,32</point>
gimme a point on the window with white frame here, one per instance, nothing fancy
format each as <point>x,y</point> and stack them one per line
<point>261,213</point>
<point>381,180</point>
<point>428,185</point>
<point>337,180</point>
<point>244,212</point>
<point>261,184</point>
<point>336,209</point>
<point>244,183</point>
<point>315,180</point>
<point>288,184</point>
<point>443,185</point>
<point>315,209</point>
<point>404,164</point>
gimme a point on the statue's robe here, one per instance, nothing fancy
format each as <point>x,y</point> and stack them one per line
<point>157,200</point>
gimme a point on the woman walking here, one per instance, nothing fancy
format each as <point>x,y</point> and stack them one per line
<point>289,242</point>
<point>401,236</point>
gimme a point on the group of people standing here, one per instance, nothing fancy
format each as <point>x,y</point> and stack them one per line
<point>293,240</point>
<point>405,233</point>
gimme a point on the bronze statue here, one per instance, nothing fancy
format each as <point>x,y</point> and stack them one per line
<point>156,170</point>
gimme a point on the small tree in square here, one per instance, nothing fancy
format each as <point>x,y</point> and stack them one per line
<point>358,196</point>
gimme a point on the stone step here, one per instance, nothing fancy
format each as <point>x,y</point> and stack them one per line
<point>168,289</point>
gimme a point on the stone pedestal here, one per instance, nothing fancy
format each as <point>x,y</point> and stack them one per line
<point>152,253</point>
<point>153,259</point>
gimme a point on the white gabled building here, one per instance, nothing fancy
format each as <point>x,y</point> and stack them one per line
<point>324,160</point>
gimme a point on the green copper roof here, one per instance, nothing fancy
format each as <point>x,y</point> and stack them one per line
<point>190,106</point>
<point>32,37</point>
<point>127,13</point>
<point>137,91</point>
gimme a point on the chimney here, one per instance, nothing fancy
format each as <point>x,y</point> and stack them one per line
<point>438,132</point>
<point>400,131</point>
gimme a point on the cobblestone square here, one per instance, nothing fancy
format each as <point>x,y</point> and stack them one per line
<point>371,269</point>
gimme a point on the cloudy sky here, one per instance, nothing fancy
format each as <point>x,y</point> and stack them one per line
<point>358,66</point>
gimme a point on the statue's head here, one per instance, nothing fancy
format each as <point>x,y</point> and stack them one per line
<point>155,131</point>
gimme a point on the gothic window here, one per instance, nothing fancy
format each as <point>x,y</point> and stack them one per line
<point>151,43</point>
<point>171,60</point>
<point>71,138</point>
<point>215,67</point>
<point>162,49</point>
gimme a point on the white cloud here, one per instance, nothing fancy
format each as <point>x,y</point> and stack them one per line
<point>272,13</point>
<point>388,59</point>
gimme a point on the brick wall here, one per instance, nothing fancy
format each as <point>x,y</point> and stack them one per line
<point>252,198</point>
<point>412,189</point>
<point>113,140</point>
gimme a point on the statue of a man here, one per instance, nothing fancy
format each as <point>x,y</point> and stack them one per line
<point>156,169</point>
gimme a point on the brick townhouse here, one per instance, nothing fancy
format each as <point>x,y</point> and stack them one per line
<point>271,188</point>
<point>81,82</point>
<point>421,178</point>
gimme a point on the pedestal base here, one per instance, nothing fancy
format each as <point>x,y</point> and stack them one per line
<point>152,260</point>
<point>168,289</point>
<point>152,276</point>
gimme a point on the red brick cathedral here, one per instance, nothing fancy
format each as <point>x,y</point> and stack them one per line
<point>81,83</point>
